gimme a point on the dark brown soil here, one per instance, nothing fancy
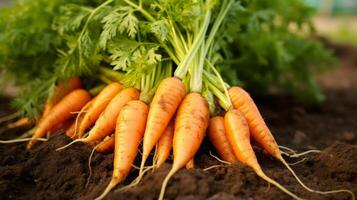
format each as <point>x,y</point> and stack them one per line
<point>44,173</point>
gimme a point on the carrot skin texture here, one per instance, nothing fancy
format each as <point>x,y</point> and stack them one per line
<point>218,137</point>
<point>242,101</point>
<point>100,103</point>
<point>191,124</point>
<point>190,127</point>
<point>164,144</point>
<point>106,146</point>
<point>167,99</point>
<point>73,102</point>
<point>106,122</point>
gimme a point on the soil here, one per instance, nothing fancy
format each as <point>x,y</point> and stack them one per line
<point>43,173</point>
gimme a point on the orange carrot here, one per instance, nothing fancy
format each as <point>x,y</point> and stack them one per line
<point>73,102</point>
<point>72,130</point>
<point>98,106</point>
<point>238,135</point>
<point>190,164</point>
<point>168,97</point>
<point>217,136</point>
<point>106,146</point>
<point>128,135</point>
<point>242,101</point>
<point>23,122</point>
<point>107,120</point>
<point>60,91</point>
<point>190,127</point>
<point>164,145</point>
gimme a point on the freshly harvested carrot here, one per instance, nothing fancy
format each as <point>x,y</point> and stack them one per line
<point>60,91</point>
<point>107,120</point>
<point>190,164</point>
<point>23,122</point>
<point>217,136</point>
<point>73,102</point>
<point>238,135</point>
<point>164,145</point>
<point>106,146</point>
<point>98,106</point>
<point>242,101</point>
<point>167,99</point>
<point>190,127</point>
<point>128,135</point>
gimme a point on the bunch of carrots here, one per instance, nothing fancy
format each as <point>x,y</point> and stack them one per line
<point>170,105</point>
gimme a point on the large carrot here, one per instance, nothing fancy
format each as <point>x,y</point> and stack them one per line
<point>128,135</point>
<point>60,91</point>
<point>167,99</point>
<point>242,101</point>
<point>107,120</point>
<point>100,103</point>
<point>238,135</point>
<point>164,145</point>
<point>190,127</point>
<point>62,111</point>
<point>217,136</point>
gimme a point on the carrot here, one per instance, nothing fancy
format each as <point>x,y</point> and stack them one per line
<point>164,145</point>
<point>107,120</point>
<point>238,135</point>
<point>190,164</point>
<point>98,106</point>
<point>106,146</point>
<point>217,136</point>
<point>74,101</point>
<point>242,101</point>
<point>59,92</point>
<point>190,127</point>
<point>23,122</point>
<point>167,99</point>
<point>129,132</point>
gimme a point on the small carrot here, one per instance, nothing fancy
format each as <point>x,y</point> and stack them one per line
<point>242,101</point>
<point>238,135</point>
<point>107,120</point>
<point>106,146</point>
<point>190,127</point>
<point>167,99</point>
<point>73,102</point>
<point>217,136</point>
<point>98,106</point>
<point>22,122</point>
<point>190,164</point>
<point>128,135</point>
<point>59,92</point>
<point>164,145</point>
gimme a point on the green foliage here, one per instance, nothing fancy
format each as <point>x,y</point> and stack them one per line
<point>258,45</point>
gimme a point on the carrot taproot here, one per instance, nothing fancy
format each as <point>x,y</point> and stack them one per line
<point>190,127</point>
<point>242,101</point>
<point>238,135</point>
<point>217,136</point>
<point>22,122</point>
<point>129,131</point>
<point>164,145</point>
<point>105,124</point>
<point>73,102</point>
<point>167,99</point>
<point>98,106</point>
<point>106,146</point>
<point>59,92</point>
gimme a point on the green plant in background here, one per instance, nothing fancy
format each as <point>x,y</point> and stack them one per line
<point>43,41</point>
